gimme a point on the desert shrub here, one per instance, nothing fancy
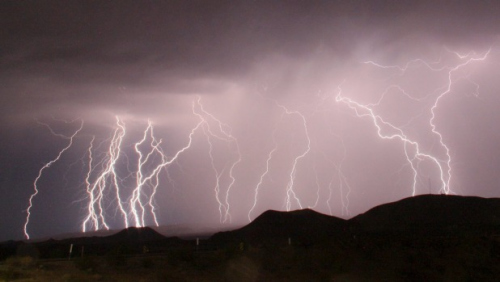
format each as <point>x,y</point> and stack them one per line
<point>277,260</point>
<point>232,250</point>
<point>116,257</point>
<point>56,253</point>
<point>80,277</point>
<point>415,273</point>
<point>23,262</point>
<point>241,268</point>
<point>147,262</point>
<point>208,260</point>
<point>27,250</point>
<point>86,263</point>
<point>15,266</point>
<point>178,256</point>
<point>169,275</point>
<point>10,274</point>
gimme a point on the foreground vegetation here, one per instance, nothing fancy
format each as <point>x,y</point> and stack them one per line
<point>368,258</point>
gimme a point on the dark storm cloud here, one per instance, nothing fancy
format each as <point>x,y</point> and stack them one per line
<point>129,43</point>
<point>96,59</point>
<point>87,30</point>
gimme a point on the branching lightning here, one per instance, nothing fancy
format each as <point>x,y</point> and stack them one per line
<point>145,177</point>
<point>291,196</point>
<point>343,184</point>
<point>107,177</point>
<point>46,166</point>
<point>220,132</point>
<point>412,148</point>
<point>262,176</point>
<point>151,161</point>
<point>131,197</point>
<point>290,192</point>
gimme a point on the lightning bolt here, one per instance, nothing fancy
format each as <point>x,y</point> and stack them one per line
<point>46,166</point>
<point>412,149</point>
<point>92,214</point>
<point>291,195</point>
<point>107,177</point>
<point>468,59</point>
<point>153,176</point>
<point>221,132</point>
<point>290,192</point>
<point>262,176</point>
<point>137,206</point>
<point>397,133</point>
<point>318,188</point>
<point>105,187</point>
<point>342,181</point>
<point>343,184</point>
<point>146,176</point>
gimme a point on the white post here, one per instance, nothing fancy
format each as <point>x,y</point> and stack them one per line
<point>70,251</point>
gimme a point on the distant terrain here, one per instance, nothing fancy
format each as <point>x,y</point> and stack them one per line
<point>423,238</point>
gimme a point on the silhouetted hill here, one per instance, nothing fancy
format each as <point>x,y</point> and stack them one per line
<point>428,214</point>
<point>136,234</point>
<point>419,217</point>
<point>128,241</point>
<point>303,226</point>
<point>131,234</point>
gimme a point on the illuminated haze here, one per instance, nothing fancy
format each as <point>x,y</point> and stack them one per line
<point>274,74</point>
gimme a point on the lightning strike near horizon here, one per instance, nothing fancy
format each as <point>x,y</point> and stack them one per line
<point>291,195</point>
<point>468,59</point>
<point>318,188</point>
<point>343,184</point>
<point>146,175</point>
<point>412,148</point>
<point>132,195</point>
<point>220,132</point>
<point>136,205</point>
<point>105,178</point>
<point>290,192</point>
<point>150,162</point>
<point>46,166</point>
<point>322,107</point>
<point>262,176</point>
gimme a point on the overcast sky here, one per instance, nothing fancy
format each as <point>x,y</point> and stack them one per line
<point>293,82</point>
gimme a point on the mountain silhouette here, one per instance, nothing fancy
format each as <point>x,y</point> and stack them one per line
<point>419,215</point>
<point>427,214</point>
<point>303,226</point>
<point>415,217</point>
<point>136,234</point>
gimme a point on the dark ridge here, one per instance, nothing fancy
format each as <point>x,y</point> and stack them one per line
<point>302,226</point>
<point>432,214</point>
<point>128,241</point>
<point>419,215</point>
<point>422,216</point>
<point>136,234</point>
<point>131,234</point>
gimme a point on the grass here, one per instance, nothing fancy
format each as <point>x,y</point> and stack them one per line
<point>425,259</point>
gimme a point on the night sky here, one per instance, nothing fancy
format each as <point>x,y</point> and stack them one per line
<point>337,106</point>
